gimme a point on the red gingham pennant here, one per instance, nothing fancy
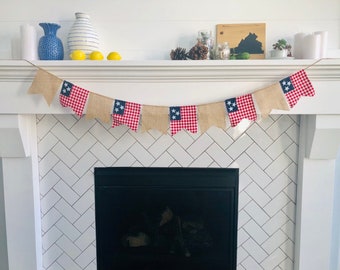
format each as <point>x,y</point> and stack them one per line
<point>74,97</point>
<point>184,117</point>
<point>126,113</point>
<point>296,86</point>
<point>240,108</point>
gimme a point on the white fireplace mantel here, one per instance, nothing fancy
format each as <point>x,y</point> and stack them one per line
<point>167,83</point>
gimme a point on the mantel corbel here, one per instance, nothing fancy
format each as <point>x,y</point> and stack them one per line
<point>15,135</point>
<point>322,136</point>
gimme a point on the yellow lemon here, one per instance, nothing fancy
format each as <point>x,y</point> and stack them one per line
<point>114,56</point>
<point>78,55</point>
<point>96,55</point>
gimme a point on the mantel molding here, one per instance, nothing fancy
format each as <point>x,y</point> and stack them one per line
<point>169,83</point>
<point>167,70</point>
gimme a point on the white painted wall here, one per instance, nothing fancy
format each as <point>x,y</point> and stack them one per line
<point>150,29</point>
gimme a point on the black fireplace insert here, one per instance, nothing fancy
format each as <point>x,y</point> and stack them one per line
<point>166,218</point>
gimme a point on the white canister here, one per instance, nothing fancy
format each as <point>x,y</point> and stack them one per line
<point>323,42</point>
<point>298,45</point>
<point>29,44</point>
<point>311,46</point>
<point>82,35</point>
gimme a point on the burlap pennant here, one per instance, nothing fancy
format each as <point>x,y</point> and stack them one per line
<point>296,86</point>
<point>46,84</point>
<point>155,117</point>
<point>213,114</point>
<point>183,117</point>
<point>270,98</point>
<point>99,107</point>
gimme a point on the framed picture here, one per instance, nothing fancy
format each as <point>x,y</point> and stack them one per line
<point>249,37</point>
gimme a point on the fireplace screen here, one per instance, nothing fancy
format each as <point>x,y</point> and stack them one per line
<point>166,218</point>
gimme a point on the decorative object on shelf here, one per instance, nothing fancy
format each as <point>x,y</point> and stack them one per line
<point>298,45</point>
<point>311,46</point>
<point>243,56</point>
<point>238,56</point>
<point>114,56</point>
<point>179,54</point>
<point>96,55</point>
<point>221,52</point>
<point>206,38</point>
<point>199,52</point>
<point>323,43</point>
<point>50,46</point>
<point>28,37</point>
<point>202,50</point>
<point>82,35</point>
<point>247,37</point>
<point>77,55</point>
<point>281,49</point>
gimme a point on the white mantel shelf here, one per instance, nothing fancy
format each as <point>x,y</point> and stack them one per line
<point>167,70</point>
<point>169,82</point>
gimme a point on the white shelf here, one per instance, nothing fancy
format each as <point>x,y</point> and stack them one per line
<point>167,70</point>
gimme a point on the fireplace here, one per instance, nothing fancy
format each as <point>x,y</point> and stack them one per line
<point>166,218</point>
<point>63,209</point>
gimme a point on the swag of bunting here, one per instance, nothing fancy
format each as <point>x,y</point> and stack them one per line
<point>282,95</point>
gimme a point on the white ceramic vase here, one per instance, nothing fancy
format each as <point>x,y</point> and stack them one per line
<point>82,35</point>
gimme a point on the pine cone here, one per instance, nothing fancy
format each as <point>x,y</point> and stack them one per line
<point>198,52</point>
<point>179,54</point>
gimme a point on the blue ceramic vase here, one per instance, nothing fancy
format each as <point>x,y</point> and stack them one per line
<point>50,46</point>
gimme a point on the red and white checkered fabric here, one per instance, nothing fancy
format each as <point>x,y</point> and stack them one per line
<point>246,110</point>
<point>302,87</point>
<point>188,120</point>
<point>76,99</point>
<point>130,117</point>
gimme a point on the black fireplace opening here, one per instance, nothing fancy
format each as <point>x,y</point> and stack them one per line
<point>166,218</point>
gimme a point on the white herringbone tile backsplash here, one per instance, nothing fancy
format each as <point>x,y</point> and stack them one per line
<point>266,153</point>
